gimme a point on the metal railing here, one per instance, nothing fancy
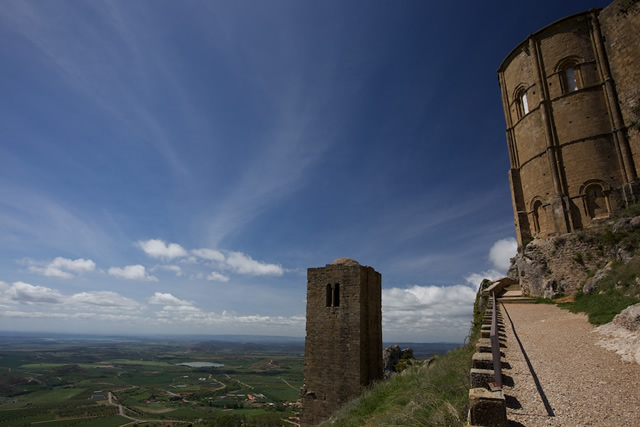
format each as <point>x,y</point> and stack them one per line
<point>495,342</point>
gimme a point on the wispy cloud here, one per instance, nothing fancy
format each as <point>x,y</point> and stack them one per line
<point>217,277</point>
<point>236,262</point>
<point>132,272</point>
<point>104,299</point>
<point>173,268</point>
<point>244,264</point>
<point>167,299</point>
<point>29,215</point>
<point>64,268</point>
<point>209,254</point>
<point>98,53</point>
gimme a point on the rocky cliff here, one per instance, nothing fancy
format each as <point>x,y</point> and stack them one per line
<point>579,261</point>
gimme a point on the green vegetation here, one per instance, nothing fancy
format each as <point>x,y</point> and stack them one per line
<point>68,381</point>
<point>435,393</point>
<point>600,308</point>
<point>618,290</point>
<point>620,287</point>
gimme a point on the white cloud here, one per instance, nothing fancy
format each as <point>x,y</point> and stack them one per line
<point>63,267</point>
<point>110,317</point>
<point>156,248</point>
<point>25,293</point>
<point>209,254</point>
<point>474,279</point>
<point>501,253</point>
<point>228,321</point>
<point>105,299</point>
<point>244,264</point>
<point>179,309</point>
<point>167,299</point>
<point>132,272</point>
<point>236,262</point>
<point>500,256</point>
<point>443,313</point>
<point>217,277</point>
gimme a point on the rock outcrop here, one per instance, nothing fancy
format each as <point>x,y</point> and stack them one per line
<point>571,262</point>
<point>553,266</point>
<point>629,318</point>
<point>391,358</point>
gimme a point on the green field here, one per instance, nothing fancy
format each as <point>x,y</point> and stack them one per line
<point>68,382</point>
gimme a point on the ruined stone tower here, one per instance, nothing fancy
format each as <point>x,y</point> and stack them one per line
<point>343,346</point>
<point>571,99</point>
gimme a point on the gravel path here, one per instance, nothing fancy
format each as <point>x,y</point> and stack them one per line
<point>558,374</point>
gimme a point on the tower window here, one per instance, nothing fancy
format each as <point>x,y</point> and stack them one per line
<point>539,217</point>
<point>521,103</point>
<point>570,79</point>
<point>525,104</point>
<point>333,295</point>
<point>596,201</point>
<point>568,71</point>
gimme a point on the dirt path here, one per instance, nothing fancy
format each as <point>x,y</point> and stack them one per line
<point>558,374</point>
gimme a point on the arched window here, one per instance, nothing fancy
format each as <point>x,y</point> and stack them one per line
<point>568,70</point>
<point>525,104</point>
<point>571,83</point>
<point>521,102</point>
<point>596,201</point>
<point>539,216</point>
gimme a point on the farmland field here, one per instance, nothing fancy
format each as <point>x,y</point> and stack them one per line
<point>56,381</point>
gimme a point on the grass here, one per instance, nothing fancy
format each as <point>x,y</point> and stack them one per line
<point>617,291</point>
<point>540,300</point>
<point>51,396</point>
<point>426,396</point>
<point>433,395</point>
<point>600,308</point>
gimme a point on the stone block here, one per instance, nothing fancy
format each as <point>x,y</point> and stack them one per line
<point>483,345</point>
<point>487,408</point>
<point>482,361</point>
<point>480,378</point>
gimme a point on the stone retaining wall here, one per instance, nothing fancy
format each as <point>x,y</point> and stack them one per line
<point>487,404</point>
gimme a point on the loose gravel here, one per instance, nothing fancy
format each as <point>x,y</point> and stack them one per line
<point>583,383</point>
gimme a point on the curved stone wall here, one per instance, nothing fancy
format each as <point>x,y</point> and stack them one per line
<point>572,161</point>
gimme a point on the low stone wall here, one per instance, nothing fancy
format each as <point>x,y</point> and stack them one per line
<point>487,404</point>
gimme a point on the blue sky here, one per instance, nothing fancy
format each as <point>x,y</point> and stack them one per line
<point>175,167</point>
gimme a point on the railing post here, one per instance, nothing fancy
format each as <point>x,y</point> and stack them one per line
<point>495,343</point>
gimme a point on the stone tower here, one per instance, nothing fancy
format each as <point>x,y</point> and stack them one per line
<point>343,346</point>
<point>571,99</point>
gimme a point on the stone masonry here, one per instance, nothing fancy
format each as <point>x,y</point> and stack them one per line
<point>572,106</point>
<point>343,346</point>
